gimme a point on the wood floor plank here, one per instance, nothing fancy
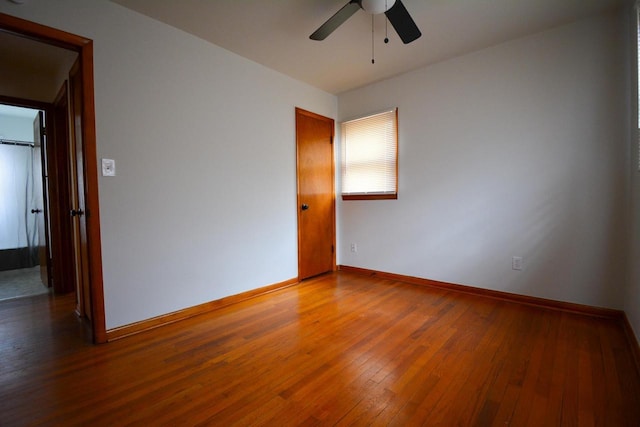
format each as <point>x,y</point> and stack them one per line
<point>341,349</point>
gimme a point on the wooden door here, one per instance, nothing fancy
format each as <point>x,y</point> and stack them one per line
<point>40,175</point>
<point>78,212</point>
<point>58,164</point>
<point>316,195</point>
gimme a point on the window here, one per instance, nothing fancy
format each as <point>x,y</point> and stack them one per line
<point>370,157</point>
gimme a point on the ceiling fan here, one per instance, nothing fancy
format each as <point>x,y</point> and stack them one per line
<point>396,13</point>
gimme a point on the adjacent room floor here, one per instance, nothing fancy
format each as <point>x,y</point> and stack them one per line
<point>21,283</point>
<point>341,349</point>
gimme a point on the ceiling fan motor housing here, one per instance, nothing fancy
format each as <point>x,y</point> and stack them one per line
<point>376,7</point>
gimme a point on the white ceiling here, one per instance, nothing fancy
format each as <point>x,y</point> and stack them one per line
<point>276,33</point>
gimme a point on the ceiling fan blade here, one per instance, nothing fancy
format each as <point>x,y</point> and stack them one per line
<point>403,23</point>
<point>336,20</point>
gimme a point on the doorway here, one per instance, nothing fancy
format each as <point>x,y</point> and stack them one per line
<point>316,194</point>
<point>24,254</point>
<point>89,221</point>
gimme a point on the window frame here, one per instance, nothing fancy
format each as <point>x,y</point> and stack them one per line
<point>372,195</point>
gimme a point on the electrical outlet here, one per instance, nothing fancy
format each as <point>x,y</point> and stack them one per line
<point>354,247</point>
<point>516,263</point>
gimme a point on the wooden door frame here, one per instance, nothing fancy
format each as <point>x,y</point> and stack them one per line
<point>44,182</point>
<point>84,47</point>
<point>300,111</point>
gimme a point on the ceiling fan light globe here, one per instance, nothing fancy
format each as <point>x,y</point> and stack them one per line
<point>376,7</point>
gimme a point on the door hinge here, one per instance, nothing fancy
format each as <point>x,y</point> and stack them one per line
<point>43,131</point>
<point>331,140</point>
<point>332,249</point>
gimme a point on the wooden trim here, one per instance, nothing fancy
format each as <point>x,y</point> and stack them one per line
<point>84,47</point>
<point>40,33</point>
<point>315,116</point>
<point>27,103</point>
<point>92,207</point>
<point>176,316</point>
<point>397,154</point>
<point>505,296</point>
<point>633,341</point>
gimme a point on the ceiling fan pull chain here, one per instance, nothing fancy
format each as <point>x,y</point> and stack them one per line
<point>386,23</point>
<point>373,54</point>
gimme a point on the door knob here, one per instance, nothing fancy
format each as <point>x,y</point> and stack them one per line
<point>304,207</point>
<point>35,211</point>
<point>78,212</point>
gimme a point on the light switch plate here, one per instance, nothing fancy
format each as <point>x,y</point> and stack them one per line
<point>108,167</point>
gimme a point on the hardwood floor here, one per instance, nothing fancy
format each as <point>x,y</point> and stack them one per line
<point>342,349</point>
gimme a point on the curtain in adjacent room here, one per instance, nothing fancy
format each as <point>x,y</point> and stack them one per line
<point>20,192</point>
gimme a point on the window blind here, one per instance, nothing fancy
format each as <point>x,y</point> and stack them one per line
<point>370,153</point>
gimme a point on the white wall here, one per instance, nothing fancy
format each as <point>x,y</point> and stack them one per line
<point>516,150</point>
<point>204,202</point>
<point>632,294</point>
<point>17,128</point>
